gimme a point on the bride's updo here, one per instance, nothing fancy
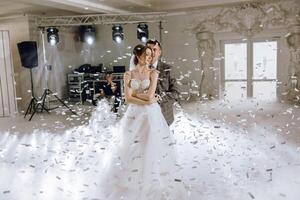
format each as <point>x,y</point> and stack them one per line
<point>138,51</point>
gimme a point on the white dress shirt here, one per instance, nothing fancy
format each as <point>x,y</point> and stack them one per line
<point>155,64</point>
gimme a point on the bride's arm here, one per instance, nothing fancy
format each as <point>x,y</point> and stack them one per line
<point>128,92</point>
<point>150,94</point>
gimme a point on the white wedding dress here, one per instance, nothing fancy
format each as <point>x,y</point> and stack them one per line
<point>142,164</point>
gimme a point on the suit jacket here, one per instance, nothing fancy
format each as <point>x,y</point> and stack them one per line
<point>166,88</point>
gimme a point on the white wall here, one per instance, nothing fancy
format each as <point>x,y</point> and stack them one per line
<point>70,53</point>
<point>179,50</point>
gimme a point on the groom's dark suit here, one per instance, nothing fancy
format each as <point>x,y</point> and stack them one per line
<point>166,88</point>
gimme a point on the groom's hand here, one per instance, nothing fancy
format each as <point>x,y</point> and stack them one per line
<point>153,100</point>
<point>159,99</point>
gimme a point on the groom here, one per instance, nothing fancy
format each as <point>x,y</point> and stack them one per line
<point>166,87</point>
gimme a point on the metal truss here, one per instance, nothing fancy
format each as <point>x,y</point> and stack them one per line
<point>77,20</point>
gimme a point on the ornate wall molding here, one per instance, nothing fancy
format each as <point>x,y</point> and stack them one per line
<point>247,19</point>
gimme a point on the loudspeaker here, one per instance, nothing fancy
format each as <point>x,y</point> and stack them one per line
<point>28,54</point>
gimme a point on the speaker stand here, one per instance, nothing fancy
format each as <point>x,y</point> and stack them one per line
<point>41,103</point>
<point>31,106</point>
<point>33,102</point>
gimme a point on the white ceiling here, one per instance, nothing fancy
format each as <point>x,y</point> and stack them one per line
<point>57,7</point>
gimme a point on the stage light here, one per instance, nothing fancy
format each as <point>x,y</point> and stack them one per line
<point>142,32</point>
<point>117,34</point>
<point>87,34</point>
<point>118,39</point>
<point>90,40</point>
<point>52,36</point>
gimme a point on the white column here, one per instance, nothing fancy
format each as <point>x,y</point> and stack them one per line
<point>293,41</point>
<point>206,48</point>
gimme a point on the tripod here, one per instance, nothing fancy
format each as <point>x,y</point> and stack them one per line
<point>35,104</point>
<point>41,103</point>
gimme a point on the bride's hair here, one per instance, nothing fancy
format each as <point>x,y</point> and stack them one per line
<point>138,52</point>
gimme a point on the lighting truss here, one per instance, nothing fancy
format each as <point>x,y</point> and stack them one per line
<point>77,20</point>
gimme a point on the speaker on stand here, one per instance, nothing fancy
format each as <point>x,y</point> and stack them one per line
<point>29,59</point>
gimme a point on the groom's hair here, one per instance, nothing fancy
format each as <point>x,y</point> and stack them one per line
<point>153,42</point>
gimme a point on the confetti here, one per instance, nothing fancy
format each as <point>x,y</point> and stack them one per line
<point>251,195</point>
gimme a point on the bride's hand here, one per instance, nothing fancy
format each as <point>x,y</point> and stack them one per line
<point>134,94</point>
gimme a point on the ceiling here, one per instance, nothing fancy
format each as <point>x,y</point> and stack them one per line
<point>65,7</point>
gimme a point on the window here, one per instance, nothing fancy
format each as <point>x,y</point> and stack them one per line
<point>264,70</point>
<point>235,70</point>
<point>250,70</point>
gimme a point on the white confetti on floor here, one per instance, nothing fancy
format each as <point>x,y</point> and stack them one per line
<point>239,151</point>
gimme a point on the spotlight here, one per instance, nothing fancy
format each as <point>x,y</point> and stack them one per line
<point>117,34</point>
<point>142,32</point>
<point>87,34</point>
<point>90,40</point>
<point>52,35</point>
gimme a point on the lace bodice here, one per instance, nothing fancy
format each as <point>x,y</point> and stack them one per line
<point>139,85</point>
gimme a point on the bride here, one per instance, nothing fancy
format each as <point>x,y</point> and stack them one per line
<point>143,164</point>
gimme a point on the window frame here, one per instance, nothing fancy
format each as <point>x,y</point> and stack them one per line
<point>250,67</point>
